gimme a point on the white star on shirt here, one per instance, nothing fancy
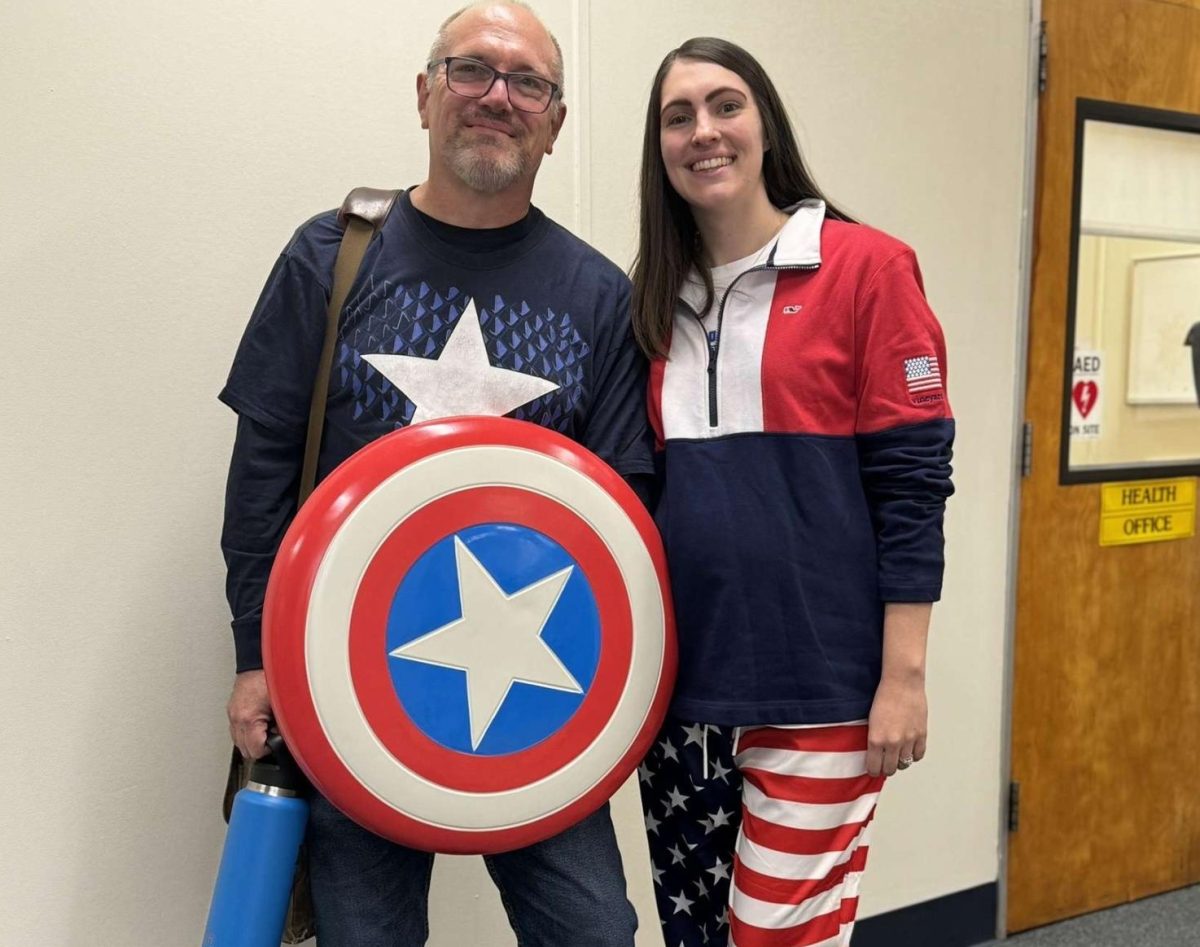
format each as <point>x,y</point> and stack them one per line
<point>497,641</point>
<point>461,380</point>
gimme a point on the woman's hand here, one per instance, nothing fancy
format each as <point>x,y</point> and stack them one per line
<point>898,724</point>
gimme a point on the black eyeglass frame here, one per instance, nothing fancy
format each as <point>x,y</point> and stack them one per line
<point>555,90</point>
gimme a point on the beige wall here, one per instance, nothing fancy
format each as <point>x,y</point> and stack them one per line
<point>154,159</point>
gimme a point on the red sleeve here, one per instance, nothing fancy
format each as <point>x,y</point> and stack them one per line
<point>900,353</point>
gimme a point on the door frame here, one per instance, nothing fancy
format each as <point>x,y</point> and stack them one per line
<point>1025,295</point>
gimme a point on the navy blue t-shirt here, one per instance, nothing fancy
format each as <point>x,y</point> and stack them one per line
<point>530,298</point>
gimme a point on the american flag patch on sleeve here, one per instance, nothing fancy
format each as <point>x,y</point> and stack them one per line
<point>922,376</point>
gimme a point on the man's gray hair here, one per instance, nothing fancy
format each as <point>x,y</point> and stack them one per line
<point>441,40</point>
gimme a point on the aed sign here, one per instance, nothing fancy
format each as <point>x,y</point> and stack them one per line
<point>1087,384</point>
<point>1147,511</point>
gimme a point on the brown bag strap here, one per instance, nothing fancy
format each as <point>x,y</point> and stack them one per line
<point>362,214</point>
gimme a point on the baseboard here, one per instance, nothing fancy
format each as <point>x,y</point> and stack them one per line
<point>956,920</point>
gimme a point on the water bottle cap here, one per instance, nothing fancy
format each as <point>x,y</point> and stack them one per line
<point>277,769</point>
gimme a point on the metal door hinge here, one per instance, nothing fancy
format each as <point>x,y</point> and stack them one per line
<point>1014,805</point>
<point>1043,57</point>
<point>1027,450</point>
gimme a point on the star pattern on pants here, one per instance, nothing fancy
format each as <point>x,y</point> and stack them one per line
<point>692,813</point>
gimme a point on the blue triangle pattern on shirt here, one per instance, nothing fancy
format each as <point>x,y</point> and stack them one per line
<point>418,322</point>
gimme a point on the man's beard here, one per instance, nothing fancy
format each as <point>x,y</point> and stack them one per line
<point>488,168</point>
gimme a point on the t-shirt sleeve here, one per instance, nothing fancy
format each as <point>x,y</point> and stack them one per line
<point>272,374</point>
<point>617,430</point>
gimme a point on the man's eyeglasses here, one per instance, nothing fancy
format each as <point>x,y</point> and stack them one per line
<point>474,79</point>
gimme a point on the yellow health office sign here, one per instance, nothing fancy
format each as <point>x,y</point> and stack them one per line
<point>1147,511</point>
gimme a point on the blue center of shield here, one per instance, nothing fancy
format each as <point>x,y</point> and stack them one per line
<point>433,647</point>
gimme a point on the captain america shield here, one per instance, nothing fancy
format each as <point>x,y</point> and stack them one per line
<point>467,635</point>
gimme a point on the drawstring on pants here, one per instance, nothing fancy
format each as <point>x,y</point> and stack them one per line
<point>704,750</point>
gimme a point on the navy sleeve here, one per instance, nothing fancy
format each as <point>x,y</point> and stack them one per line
<point>260,501</point>
<point>906,476</point>
<point>272,374</point>
<point>643,486</point>
<point>617,429</point>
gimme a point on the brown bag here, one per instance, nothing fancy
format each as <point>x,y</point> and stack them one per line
<point>362,214</point>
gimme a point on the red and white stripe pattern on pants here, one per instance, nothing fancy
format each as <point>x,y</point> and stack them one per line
<point>807,805</point>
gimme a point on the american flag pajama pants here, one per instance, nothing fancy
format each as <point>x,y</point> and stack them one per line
<point>764,848</point>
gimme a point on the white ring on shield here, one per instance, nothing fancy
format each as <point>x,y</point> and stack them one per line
<point>328,624</point>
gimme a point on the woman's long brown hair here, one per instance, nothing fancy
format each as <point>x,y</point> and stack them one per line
<point>669,246</point>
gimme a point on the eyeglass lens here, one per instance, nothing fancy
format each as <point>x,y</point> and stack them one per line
<point>474,79</point>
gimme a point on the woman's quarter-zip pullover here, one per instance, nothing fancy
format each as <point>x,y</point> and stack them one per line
<point>809,487</point>
<point>714,338</point>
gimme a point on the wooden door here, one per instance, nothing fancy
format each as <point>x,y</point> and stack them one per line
<point>1106,685</point>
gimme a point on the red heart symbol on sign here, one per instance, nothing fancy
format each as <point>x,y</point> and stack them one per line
<point>1084,395</point>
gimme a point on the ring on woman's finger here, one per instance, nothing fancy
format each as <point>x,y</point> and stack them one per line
<point>905,762</point>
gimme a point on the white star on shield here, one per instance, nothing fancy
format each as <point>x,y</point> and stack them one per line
<point>497,641</point>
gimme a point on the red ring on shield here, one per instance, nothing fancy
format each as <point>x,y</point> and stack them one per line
<point>367,636</point>
<point>360,747</point>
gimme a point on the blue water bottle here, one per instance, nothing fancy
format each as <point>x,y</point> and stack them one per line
<point>254,882</point>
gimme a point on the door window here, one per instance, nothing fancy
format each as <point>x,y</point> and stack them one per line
<point>1130,407</point>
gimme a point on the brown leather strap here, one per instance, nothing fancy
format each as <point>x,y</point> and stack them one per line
<point>362,213</point>
<point>372,204</point>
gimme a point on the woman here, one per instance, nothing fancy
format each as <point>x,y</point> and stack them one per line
<point>797,391</point>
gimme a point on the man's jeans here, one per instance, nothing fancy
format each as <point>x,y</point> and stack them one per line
<point>568,891</point>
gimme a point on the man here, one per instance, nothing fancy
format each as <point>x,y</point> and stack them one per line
<point>470,301</point>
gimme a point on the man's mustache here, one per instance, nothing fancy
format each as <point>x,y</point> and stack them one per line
<point>495,117</point>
